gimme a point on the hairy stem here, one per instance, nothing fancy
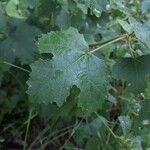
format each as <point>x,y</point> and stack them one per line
<point>109,42</point>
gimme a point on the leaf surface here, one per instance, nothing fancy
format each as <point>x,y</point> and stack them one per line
<point>134,71</point>
<point>142,32</point>
<point>71,65</point>
<point>20,43</point>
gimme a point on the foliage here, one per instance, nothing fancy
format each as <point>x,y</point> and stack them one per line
<point>74,74</point>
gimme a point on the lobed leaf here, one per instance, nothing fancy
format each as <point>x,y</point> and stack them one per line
<point>71,65</point>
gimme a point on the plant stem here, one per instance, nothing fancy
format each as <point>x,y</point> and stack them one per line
<point>49,136</point>
<point>12,65</point>
<point>72,133</point>
<point>105,123</point>
<point>27,130</point>
<point>109,42</point>
<point>109,135</point>
<point>56,137</point>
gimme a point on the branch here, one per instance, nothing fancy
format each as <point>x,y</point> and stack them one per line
<point>109,42</point>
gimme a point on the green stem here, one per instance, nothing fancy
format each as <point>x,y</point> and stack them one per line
<point>109,135</point>
<point>12,65</point>
<point>108,128</point>
<point>27,130</point>
<point>109,42</point>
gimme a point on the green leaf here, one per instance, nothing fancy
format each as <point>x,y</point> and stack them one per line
<point>137,143</point>
<point>20,8</point>
<point>63,19</point>
<point>125,123</point>
<point>142,32</point>
<point>13,11</point>
<point>134,71</point>
<point>71,65</point>
<point>145,6</point>
<point>62,42</point>
<point>142,122</point>
<point>96,6</point>
<point>125,25</point>
<point>20,43</point>
<point>121,6</point>
<point>92,129</point>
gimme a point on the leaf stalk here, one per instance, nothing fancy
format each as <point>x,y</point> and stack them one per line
<point>15,66</point>
<point>109,42</point>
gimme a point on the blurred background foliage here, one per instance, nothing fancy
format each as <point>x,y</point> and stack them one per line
<point>125,124</point>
